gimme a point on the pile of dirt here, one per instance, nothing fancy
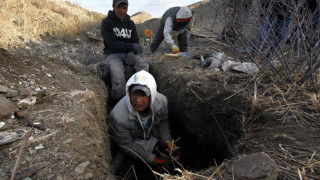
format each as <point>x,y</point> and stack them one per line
<point>43,59</point>
<point>70,105</point>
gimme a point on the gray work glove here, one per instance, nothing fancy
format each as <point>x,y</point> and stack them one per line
<point>131,59</point>
<point>138,48</point>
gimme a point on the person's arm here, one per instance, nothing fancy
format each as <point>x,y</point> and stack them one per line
<point>121,133</point>
<point>168,28</point>
<point>111,39</point>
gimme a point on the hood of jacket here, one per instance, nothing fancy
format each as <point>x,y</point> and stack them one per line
<point>142,78</point>
<point>184,13</point>
<point>113,15</point>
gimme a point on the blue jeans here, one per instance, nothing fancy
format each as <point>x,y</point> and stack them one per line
<point>272,27</point>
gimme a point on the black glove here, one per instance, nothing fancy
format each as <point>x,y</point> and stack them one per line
<point>131,58</point>
<point>138,48</point>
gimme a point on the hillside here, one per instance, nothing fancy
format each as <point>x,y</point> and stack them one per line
<point>28,19</point>
<point>140,17</point>
<point>228,123</point>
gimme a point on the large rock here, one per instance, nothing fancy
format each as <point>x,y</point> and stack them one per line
<point>7,108</point>
<point>255,166</point>
<point>3,89</point>
<point>249,68</point>
<point>29,101</point>
<point>227,65</point>
<point>8,137</point>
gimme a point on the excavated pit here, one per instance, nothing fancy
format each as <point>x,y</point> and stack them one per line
<point>204,114</point>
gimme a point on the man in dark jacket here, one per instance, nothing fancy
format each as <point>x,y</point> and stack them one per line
<point>121,43</point>
<point>175,22</point>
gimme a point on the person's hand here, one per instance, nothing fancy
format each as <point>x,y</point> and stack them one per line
<point>131,59</point>
<point>175,49</point>
<point>138,48</point>
<point>173,149</point>
<point>157,161</point>
<point>168,144</point>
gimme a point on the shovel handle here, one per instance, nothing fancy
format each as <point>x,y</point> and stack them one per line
<point>173,55</point>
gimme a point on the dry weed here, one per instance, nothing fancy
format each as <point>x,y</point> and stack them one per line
<point>38,4</point>
<point>57,9</point>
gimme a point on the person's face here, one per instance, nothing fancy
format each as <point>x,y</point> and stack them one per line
<point>139,100</point>
<point>121,10</point>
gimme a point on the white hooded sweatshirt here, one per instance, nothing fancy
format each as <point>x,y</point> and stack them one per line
<point>126,127</point>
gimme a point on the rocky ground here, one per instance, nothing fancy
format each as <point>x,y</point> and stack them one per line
<point>54,108</point>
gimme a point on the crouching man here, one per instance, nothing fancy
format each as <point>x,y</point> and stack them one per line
<point>139,125</point>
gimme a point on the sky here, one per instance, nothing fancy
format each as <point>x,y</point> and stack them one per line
<point>153,7</point>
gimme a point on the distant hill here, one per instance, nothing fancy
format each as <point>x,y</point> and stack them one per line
<point>141,17</point>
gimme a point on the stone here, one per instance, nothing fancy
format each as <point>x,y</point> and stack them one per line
<point>6,83</point>
<point>255,166</point>
<point>8,137</point>
<point>29,101</point>
<point>11,94</point>
<point>3,89</point>
<point>215,63</point>
<point>80,168</point>
<point>2,124</point>
<point>7,108</point>
<point>228,65</point>
<point>88,176</point>
<point>248,68</point>
<point>25,91</point>
<point>220,56</point>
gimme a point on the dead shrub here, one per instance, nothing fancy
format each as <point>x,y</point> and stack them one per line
<point>2,4</point>
<point>59,10</point>
<point>38,4</point>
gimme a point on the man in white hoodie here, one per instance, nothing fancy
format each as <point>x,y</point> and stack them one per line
<point>139,121</point>
<point>175,23</point>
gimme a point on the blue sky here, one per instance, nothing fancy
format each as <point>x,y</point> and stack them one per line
<point>154,7</point>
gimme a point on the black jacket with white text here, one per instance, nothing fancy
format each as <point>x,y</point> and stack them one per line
<point>118,36</point>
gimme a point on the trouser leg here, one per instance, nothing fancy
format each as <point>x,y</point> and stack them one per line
<point>282,32</point>
<point>117,74</point>
<point>141,64</point>
<point>182,41</point>
<point>157,40</point>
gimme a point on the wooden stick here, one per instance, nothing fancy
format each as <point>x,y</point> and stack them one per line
<point>173,55</point>
<point>218,42</point>
<point>19,155</point>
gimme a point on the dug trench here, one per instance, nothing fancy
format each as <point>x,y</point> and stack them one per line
<point>204,114</point>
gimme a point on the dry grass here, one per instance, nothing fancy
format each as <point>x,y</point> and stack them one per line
<point>58,9</point>
<point>31,18</point>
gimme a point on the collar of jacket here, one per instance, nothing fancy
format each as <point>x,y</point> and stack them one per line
<point>113,16</point>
